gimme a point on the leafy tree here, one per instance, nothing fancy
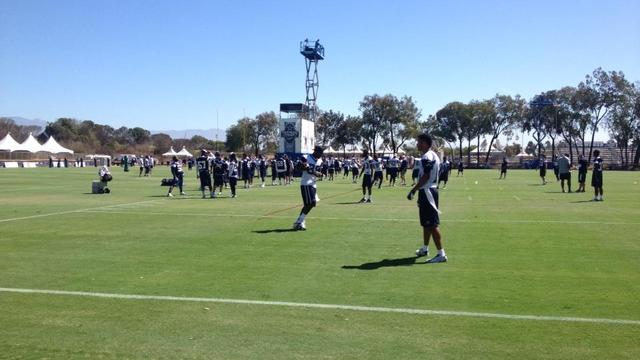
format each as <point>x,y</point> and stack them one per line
<point>162,142</point>
<point>597,95</point>
<point>266,130</point>
<point>404,125</point>
<point>508,112</point>
<point>483,114</point>
<point>452,120</point>
<point>375,113</point>
<point>326,126</point>
<point>347,132</point>
<point>139,135</point>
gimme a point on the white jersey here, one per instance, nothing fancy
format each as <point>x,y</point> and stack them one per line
<point>308,176</point>
<point>429,164</point>
<point>367,166</point>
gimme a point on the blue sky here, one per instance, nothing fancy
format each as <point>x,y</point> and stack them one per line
<point>177,65</point>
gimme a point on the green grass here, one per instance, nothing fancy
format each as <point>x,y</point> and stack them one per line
<point>515,247</point>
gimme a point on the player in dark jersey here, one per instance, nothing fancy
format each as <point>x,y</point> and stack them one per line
<point>202,163</point>
<point>596,176</point>
<point>443,174</point>
<point>543,169</point>
<point>219,167</point>
<point>274,172</point>
<point>281,169</point>
<point>503,168</point>
<point>583,164</point>
<point>460,168</point>
<point>178,176</point>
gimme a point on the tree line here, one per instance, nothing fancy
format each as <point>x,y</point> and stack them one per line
<point>571,115</point>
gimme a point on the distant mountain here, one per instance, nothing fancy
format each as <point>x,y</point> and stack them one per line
<point>28,122</point>
<point>189,133</point>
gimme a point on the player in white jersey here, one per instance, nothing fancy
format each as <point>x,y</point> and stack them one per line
<point>310,167</point>
<point>233,173</point>
<point>429,166</point>
<point>367,176</point>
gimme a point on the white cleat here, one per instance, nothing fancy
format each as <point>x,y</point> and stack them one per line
<point>169,195</point>
<point>423,251</point>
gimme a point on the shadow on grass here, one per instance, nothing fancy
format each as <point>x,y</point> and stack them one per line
<point>408,261</point>
<point>348,203</point>
<point>273,231</point>
<point>582,201</point>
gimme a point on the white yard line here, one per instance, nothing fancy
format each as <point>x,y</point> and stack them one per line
<point>517,198</point>
<point>403,219</point>
<point>327,306</point>
<point>74,211</point>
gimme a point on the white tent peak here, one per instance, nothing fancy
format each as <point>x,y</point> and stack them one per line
<point>8,143</point>
<point>171,152</point>
<point>184,152</point>
<point>30,144</point>
<point>52,146</point>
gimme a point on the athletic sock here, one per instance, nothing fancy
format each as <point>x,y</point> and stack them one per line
<point>300,218</point>
<point>441,252</point>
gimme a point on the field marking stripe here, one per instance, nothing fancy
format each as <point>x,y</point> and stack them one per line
<point>360,219</point>
<point>517,198</point>
<point>73,211</point>
<point>326,306</point>
<point>299,206</point>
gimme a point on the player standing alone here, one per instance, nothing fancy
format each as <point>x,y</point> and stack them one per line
<point>503,168</point>
<point>309,166</point>
<point>428,199</point>
<point>596,176</point>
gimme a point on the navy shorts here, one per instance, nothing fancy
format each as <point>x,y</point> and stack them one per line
<point>582,177</point>
<point>428,215</point>
<point>596,179</point>
<point>205,180</point>
<point>366,180</point>
<point>565,176</point>
<point>308,195</point>
<point>218,180</point>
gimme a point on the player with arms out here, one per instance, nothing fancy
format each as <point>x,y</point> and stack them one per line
<point>429,166</point>
<point>310,167</point>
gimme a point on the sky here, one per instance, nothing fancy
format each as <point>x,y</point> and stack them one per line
<point>205,64</point>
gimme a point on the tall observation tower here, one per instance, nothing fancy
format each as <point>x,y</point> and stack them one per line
<point>312,52</point>
<point>297,121</point>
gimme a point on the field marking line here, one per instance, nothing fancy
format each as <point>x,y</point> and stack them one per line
<point>73,211</point>
<point>403,219</point>
<point>326,306</point>
<point>517,198</point>
<point>299,205</point>
<point>470,198</point>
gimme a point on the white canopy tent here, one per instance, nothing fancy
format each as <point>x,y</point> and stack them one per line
<point>53,147</point>
<point>483,150</point>
<point>30,144</point>
<point>184,152</point>
<point>171,152</point>
<point>523,154</point>
<point>8,143</point>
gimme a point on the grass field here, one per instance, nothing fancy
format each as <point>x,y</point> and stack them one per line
<point>532,274</point>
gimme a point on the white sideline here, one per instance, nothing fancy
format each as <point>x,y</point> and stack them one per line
<point>358,219</point>
<point>74,211</point>
<point>326,306</point>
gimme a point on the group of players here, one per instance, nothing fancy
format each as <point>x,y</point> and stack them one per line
<point>562,170</point>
